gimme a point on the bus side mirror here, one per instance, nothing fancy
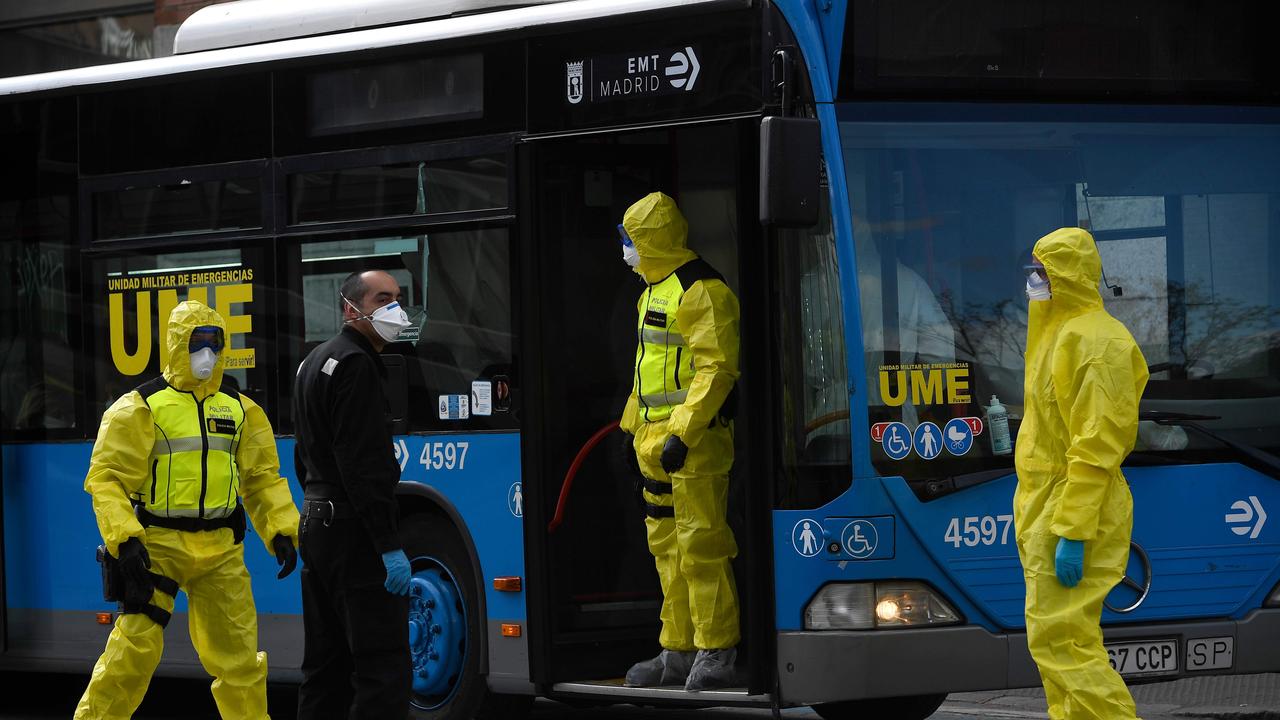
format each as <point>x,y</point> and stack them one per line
<point>790,156</point>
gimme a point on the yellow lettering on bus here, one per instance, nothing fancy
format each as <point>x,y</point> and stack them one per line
<point>166,300</point>
<point>236,324</point>
<point>891,399</point>
<point>926,387</point>
<point>958,386</point>
<point>126,363</point>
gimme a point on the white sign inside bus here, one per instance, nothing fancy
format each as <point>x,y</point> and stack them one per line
<point>646,73</point>
<point>230,289</point>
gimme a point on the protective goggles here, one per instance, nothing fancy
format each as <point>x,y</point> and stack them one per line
<point>1036,270</point>
<point>626,239</point>
<point>206,336</point>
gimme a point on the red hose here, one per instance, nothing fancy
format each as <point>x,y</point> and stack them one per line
<point>573,472</point>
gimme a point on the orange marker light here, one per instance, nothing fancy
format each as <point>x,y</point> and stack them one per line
<point>507,584</point>
<point>105,618</point>
<point>510,630</point>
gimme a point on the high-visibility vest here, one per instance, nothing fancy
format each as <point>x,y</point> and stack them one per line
<point>193,459</point>
<point>664,366</point>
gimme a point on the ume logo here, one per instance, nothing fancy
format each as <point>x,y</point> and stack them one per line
<point>140,301</point>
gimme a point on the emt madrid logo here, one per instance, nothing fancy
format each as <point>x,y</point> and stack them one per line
<point>573,81</point>
<point>639,74</point>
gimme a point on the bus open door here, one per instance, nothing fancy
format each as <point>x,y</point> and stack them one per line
<point>599,597</point>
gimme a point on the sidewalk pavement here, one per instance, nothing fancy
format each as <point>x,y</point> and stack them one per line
<point>1222,697</point>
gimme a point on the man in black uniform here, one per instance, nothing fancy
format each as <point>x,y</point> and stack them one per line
<point>355,578</point>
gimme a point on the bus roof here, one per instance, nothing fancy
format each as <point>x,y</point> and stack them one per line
<point>332,44</point>
<point>250,22</point>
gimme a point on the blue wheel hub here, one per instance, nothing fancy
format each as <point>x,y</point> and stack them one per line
<point>437,635</point>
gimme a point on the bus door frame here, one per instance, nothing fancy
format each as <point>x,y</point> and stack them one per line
<point>755,583</point>
<point>4,588</point>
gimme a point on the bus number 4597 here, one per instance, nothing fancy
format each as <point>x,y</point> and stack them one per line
<point>444,455</point>
<point>985,530</point>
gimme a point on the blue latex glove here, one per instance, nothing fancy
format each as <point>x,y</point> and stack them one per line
<point>398,572</point>
<point>1068,561</point>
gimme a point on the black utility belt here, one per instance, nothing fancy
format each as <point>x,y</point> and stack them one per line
<point>235,521</point>
<point>327,510</point>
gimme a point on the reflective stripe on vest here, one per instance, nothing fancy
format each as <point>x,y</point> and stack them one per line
<point>664,368</point>
<point>193,459</point>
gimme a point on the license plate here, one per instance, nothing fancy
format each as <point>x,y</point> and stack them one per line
<point>1214,653</point>
<point>1159,657</point>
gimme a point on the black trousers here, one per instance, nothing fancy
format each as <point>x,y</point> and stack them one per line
<point>355,663</point>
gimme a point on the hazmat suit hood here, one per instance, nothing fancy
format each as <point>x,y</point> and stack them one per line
<point>1071,260</point>
<point>176,363</point>
<point>660,234</point>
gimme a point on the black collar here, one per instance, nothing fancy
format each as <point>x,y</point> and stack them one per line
<point>359,339</point>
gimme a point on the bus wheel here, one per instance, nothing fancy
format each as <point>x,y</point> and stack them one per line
<point>445,629</point>
<point>910,707</point>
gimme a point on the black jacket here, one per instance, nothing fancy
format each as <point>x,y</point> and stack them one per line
<point>344,449</point>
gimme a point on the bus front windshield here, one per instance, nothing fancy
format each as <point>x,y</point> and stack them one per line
<point>1186,215</point>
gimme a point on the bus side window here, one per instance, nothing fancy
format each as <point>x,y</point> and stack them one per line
<point>815,443</point>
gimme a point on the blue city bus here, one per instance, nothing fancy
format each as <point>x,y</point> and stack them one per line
<point>868,176</point>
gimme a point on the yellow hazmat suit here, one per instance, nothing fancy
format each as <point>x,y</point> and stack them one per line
<point>1085,376</point>
<point>693,549</point>
<point>207,565</point>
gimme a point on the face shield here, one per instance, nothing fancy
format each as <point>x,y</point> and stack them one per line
<point>1037,281</point>
<point>206,336</point>
<point>629,254</point>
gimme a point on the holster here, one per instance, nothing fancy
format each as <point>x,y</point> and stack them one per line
<point>112,582</point>
<point>113,589</point>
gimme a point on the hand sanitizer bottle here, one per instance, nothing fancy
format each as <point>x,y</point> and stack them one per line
<point>998,424</point>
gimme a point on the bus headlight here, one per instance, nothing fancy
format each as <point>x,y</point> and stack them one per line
<point>867,606</point>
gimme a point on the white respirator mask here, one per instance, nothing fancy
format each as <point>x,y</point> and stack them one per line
<point>202,363</point>
<point>388,321</point>
<point>1037,287</point>
<point>630,256</point>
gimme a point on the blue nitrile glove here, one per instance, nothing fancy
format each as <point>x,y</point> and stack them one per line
<point>398,572</point>
<point>1068,561</point>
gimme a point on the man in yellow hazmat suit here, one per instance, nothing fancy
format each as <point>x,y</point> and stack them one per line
<point>1072,508</point>
<point>686,366</point>
<point>171,463</point>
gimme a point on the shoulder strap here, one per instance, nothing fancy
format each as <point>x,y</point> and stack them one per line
<point>151,387</point>
<point>695,270</point>
<point>226,388</point>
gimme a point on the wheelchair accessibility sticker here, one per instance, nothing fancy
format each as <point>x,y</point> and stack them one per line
<point>860,539</point>
<point>894,437</point>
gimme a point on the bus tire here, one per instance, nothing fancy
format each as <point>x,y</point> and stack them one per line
<point>446,629</point>
<point>907,707</point>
